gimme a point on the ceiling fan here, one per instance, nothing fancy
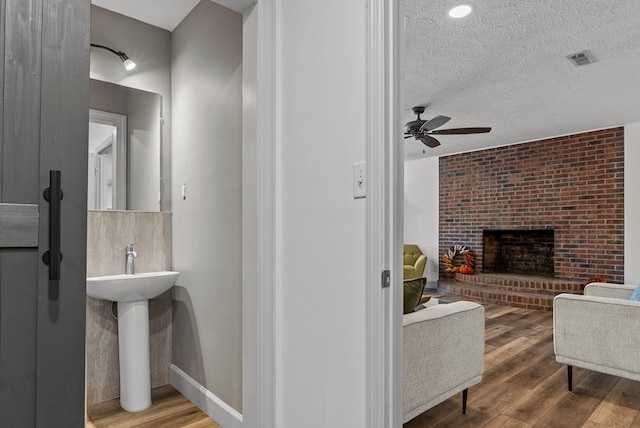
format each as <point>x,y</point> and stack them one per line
<point>422,130</point>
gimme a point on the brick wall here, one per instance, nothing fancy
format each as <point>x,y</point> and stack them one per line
<point>573,185</point>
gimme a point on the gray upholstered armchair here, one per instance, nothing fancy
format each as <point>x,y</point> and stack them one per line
<point>443,354</point>
<point>598,330</point>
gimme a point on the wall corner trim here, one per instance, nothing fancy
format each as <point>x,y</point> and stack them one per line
<point>213,406</point>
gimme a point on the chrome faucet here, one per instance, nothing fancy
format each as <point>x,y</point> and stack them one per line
<point>129,268</point>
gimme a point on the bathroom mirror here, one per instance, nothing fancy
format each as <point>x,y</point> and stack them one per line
<point>125,131</point>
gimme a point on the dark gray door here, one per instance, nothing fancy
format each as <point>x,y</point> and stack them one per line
<point>45,91</point>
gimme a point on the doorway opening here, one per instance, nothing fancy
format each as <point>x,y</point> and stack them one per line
<point>107,188</point>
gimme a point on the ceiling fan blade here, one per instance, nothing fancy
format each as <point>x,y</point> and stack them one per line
<point>454,131</point>
<point>429,141</point>
<point>434,123</point>
<point>408,136</point>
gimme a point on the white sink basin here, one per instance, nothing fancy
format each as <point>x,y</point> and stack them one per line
<point>130,288</point>
<point>132,292</point>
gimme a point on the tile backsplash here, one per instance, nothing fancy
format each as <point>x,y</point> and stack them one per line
<point>108,234</point>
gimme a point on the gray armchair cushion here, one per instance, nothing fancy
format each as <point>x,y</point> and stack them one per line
<point>443,354</point>
<point>598,333</point>
<point>606,289</point>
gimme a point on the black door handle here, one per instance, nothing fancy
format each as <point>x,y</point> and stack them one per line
<point>53,194</point>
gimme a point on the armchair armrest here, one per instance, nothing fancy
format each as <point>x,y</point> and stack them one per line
<point>597,333</point>
<point>443,353</point>
<point>420,263</point>
<point>606,289</point>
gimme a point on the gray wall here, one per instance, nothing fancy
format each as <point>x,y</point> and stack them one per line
<point>150,48</point>
<point>207,156</point>
<point>143,153</point>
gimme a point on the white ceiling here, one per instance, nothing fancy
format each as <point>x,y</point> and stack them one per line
<point>505,66</point>
<point>165,14</point>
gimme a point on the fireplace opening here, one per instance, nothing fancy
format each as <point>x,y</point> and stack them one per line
<point>528,252</point>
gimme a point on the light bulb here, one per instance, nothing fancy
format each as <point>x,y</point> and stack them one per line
<point>129,65</point>
<point>460,11</point>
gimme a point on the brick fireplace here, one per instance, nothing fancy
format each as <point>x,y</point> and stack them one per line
<point>571,186</point>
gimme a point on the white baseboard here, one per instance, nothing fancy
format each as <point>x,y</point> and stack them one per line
<point>217,409</point>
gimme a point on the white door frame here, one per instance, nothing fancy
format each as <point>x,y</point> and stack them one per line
<point>258,216</point>
<point>385,211</point>
<point>384,217</point>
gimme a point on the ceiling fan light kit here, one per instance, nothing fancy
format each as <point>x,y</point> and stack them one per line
<point>422,130</point>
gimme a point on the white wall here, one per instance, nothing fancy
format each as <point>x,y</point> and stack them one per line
<point>421,208</point>
<point>631,202</point>
<point>320,279</point>
<point>207,226</point>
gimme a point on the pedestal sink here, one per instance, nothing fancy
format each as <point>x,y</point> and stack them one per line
<point>132,293</point>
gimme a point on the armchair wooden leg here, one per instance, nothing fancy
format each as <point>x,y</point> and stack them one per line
<point>464,401</point>
<point>570,376</point>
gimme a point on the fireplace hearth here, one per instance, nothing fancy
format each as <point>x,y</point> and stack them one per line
<point>525,252</point>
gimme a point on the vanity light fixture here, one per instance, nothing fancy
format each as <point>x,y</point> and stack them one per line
<point>127,62</point>
<point>460,11</point>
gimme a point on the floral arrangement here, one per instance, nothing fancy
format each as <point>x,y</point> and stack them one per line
<point>459,250</point>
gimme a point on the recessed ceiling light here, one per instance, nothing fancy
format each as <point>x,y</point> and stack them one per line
<point>460,11</point>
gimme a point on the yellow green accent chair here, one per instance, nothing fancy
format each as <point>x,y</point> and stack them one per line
<point>414,261</point>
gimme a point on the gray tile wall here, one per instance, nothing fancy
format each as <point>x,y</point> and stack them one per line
<point>108,233</point>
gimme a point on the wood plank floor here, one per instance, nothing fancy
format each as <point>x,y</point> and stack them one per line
<point>169,410</point>
<point>523,386</point>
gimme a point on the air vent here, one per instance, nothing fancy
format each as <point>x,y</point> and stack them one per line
<point>581,58</point>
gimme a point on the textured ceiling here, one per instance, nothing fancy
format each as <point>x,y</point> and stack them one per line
<point>165,14</point>
<point>505,66</point>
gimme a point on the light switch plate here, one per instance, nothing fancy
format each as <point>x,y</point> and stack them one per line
<point>359,180</point>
